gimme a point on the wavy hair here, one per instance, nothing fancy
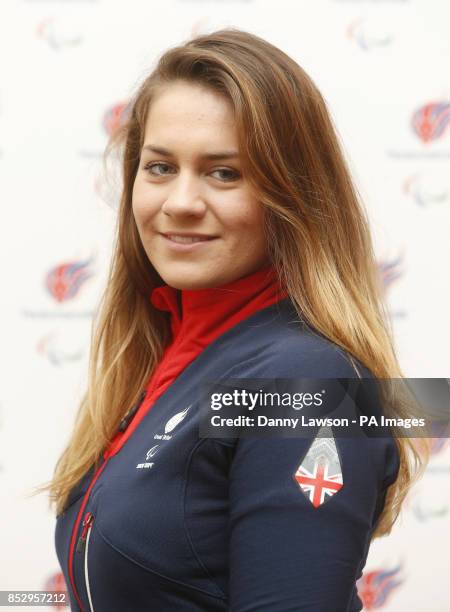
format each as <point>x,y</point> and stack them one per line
<point>316,227</point>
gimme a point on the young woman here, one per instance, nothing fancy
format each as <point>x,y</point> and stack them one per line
<point>242,252</point>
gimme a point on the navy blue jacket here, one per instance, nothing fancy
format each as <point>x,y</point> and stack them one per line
<point>179,523</point>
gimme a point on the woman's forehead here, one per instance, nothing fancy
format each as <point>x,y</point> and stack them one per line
<point>208,130</point>
<point>191,104</point>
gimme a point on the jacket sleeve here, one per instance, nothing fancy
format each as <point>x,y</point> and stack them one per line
<point>290,551</point>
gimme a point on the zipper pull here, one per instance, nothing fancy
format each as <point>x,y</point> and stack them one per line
<point>87,522</point>
<point>130,414</point>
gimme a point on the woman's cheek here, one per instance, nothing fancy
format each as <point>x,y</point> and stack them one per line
<point>142,203</point>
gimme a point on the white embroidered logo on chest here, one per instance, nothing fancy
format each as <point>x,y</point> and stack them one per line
<point>150,453</point>
<point>171,424</point>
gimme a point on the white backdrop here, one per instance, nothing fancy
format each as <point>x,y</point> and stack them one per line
<point>67,66</point>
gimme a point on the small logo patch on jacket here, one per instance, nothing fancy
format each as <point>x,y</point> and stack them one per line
<point>150,453</point>
<point>171,424</point>
<point>319,475</point>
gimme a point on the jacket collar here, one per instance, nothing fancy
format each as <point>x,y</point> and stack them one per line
<point>206,308</point>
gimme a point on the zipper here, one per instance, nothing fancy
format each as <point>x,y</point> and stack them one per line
<point>87,522</point>
<point>85,532</point>
<point>83,544</point>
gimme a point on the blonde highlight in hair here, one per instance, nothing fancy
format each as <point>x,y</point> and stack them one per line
<point>316,228</point>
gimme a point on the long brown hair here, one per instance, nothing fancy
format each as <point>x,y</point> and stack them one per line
<point>315,224</point>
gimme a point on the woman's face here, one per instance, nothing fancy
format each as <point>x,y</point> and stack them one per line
<point>198,222</point>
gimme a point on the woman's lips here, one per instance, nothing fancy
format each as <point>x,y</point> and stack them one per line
<point>186,243</point>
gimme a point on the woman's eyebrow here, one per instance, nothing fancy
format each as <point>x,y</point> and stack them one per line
<point>210,156</point>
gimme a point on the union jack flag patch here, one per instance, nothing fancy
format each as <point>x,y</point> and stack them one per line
<point>319,475</point>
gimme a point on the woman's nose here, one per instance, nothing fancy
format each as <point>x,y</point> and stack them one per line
<point>184,197</point>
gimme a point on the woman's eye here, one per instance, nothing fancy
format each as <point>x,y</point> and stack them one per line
<point>225,175</point>
<point>149,168</point>
<point>234,175</point>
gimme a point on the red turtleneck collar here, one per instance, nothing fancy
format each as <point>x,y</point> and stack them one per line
<point>205,314</point>
<point>209,312</point>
